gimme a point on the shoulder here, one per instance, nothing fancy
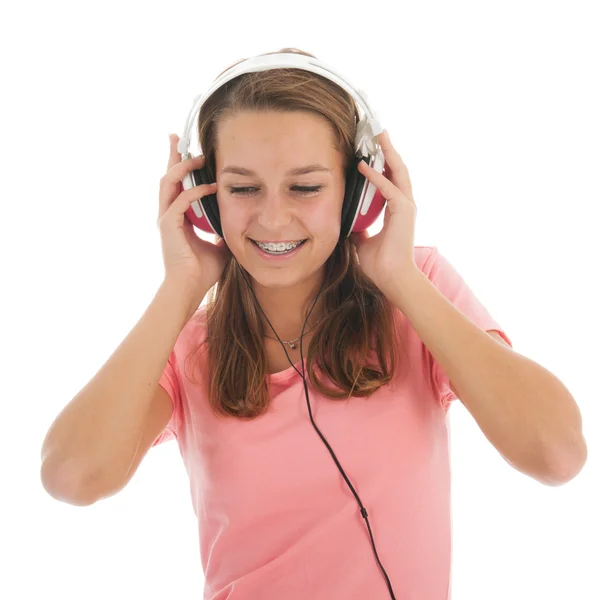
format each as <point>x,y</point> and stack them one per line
<point>198,319</point>
<point>193,332</point>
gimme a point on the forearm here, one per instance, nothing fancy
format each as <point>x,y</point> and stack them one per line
<point>100,427</point>
<point>525,411</point>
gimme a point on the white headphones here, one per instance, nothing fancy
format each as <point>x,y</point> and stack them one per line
<point>363,202</point>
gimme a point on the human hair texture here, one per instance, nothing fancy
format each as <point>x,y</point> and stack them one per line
<point>359,318</point>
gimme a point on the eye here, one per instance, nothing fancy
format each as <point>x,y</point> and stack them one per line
<point>303,189</point>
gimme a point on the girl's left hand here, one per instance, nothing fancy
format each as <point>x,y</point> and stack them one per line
<point>389,255</point>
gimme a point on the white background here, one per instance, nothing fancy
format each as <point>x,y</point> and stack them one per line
<point>494,109</point>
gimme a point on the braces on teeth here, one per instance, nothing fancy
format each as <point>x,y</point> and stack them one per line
<point>278,247</point>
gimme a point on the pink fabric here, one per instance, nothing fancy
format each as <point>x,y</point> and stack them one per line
<point>277,520</point>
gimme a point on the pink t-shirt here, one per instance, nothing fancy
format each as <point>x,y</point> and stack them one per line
<point>276,518</point>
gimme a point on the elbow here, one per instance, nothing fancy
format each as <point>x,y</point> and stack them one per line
<point>63,484</point>
<point>564,466</point>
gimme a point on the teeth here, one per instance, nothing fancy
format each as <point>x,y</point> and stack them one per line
<point>281,247</point>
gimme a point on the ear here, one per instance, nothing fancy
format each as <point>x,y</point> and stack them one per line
<point>358,237</point>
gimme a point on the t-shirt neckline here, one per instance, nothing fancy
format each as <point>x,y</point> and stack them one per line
<point>289,372</point>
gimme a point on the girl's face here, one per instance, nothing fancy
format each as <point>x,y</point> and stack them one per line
<point>261,198</point>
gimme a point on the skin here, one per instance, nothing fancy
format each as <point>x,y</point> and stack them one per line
<point>271,143</point>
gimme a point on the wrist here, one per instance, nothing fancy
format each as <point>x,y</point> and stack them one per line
<point>401,287</point>
<point>185,292</point>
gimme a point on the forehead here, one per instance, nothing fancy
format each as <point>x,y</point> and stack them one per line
<point>298,136</point>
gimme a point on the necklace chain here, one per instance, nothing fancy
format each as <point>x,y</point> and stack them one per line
<point>291,342</point>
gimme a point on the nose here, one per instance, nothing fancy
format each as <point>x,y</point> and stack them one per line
<point>273,213</point>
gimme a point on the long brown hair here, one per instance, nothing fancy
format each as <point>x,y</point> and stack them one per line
<point>359,320</point>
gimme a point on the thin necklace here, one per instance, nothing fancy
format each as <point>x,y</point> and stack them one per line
<point>291,342</point>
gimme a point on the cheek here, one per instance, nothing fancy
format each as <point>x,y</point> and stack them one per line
<point>325,219</point>
<point>321,220</point>
<point>324,228</point>
<point>233,223</point>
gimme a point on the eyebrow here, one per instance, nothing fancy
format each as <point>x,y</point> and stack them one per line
<point>297,171</point>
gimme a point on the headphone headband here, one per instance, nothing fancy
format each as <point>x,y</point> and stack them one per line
<point>364,143</point>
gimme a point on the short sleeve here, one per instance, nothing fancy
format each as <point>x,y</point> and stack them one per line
<point>450,283</point>
<point>169,380</point>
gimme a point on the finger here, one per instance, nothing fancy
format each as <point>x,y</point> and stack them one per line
<point>380,181</point>
<point>386,145</point>
<point>171,187</point>
<point>171,183</point>
<point>180,168</point>
<point>180,204</point>
<point>174,156</point>
<point>397,170</point>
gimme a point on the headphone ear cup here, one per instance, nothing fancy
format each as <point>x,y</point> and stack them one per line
<point>359,222</point>
<point>209,202</point>
<point>354,184</point>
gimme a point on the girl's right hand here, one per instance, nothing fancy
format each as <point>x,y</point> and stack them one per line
<point>187,258</point>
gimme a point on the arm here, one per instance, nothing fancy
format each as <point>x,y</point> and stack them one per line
<point>524,410</point>
<point>96,435</point>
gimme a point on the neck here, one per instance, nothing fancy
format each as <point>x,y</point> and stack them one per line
<point>287,325</point>
<point>287,311</point>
